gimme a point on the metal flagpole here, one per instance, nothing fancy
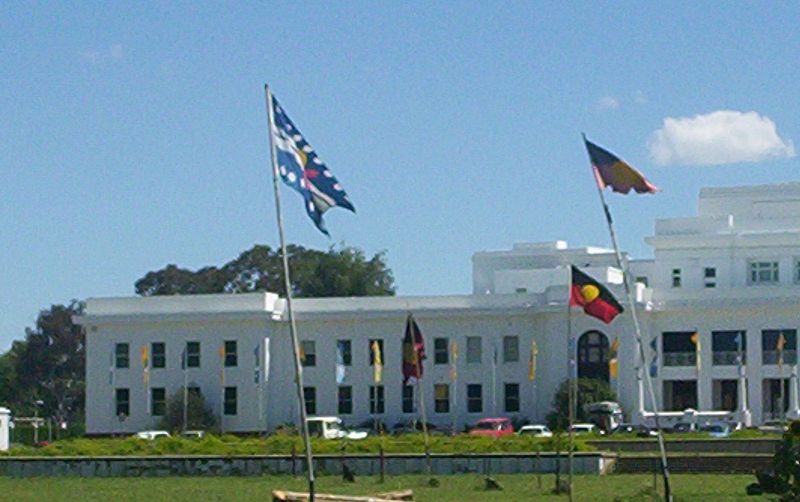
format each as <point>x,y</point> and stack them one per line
<point>298,368</point>
<point>185,364</point>
<point>638,334</point>
<point>571,381</point>
<point>418,379</point>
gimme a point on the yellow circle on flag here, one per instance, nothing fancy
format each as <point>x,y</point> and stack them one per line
<point>590,292</point>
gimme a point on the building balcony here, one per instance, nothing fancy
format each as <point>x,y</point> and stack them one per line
<point>680,358</point>
<point>771,357</point>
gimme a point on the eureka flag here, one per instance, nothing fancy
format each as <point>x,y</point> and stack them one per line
<point>610,170</point>
<point>596,300</point>
<point>301,168</point>
<point>413,350</point>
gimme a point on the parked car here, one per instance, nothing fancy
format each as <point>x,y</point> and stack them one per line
<point>717,430</point>
<point>193,434</point>
<point>331,428</point>
<point>152,435</point>
<point>773,427</point>
<point>583,429</point>
<point>683,427</point>
<point>541,431</point>
<point>415,426</point>
<point>493,427</point>
<point>641,431</point>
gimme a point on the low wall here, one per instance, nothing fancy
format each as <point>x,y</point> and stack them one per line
<point>693,464</point>
<point>395,464</point>
<point>756,446</point>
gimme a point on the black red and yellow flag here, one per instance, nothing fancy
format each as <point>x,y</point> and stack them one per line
<point>596,300</point>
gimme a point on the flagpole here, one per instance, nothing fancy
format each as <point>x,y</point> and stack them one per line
<point>421,398</point>
<point>185,391</point>
<point>298,368</point>
<point>638,334</point>
<point>571,380</point>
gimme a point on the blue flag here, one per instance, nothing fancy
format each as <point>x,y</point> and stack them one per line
<point>341,369</point>
<point>301,168</point>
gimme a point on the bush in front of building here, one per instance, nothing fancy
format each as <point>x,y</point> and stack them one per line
<point>589,390</point>
<point>199,414</point>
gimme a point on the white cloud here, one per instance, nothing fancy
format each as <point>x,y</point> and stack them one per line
<point>720,137</point>
<point>608,103</point>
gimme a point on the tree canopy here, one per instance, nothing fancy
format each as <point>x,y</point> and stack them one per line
<point>590,390</point>
<point>343,271</point>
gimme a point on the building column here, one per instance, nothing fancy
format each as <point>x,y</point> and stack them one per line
<point>745,418</point>
<point>794,407</point>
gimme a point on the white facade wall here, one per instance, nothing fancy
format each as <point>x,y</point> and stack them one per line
<point>5,416</point>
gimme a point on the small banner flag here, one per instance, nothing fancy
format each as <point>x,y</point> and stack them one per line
<point>221,353</point>
<point>341,369</point>
<point>532,361</point>
<point>697,350</point>
<point>654,360</point>
<point>610,170</point>
<point>453,361</point>
<point>299,167</point>
<point>377,368</point>
<point>257,370</point>
<point>413,350</point>
<point>266,360</point>
<point>596,299</point>
<point>145,365</point>
<point>613,360</point>
<point>779,347</point>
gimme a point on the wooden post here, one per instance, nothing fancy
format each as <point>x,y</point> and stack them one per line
<point>382,463</point>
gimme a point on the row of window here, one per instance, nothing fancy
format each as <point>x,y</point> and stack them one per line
<point>377,403</point>
<point>441,398</point>
<point>191,354</point>
<point>730,347</point>
<point>758,273</point>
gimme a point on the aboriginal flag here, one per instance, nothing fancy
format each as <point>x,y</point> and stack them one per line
<point>596,300</point>
<point>413,351</point>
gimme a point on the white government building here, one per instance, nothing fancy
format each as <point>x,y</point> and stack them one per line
<point>732,271</point>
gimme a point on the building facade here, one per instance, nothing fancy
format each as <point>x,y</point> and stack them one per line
<point>730,275</point>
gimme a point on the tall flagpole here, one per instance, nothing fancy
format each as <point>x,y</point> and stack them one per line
<point>421,397</point>
<point>571,382</point>
<point>298,368</point>
<point>638,334</point>
<point>185,390</point>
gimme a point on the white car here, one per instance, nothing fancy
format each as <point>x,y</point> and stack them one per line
<point>539,431</point>
<point>583,428</point>
<point>152,435</point>
<point>331,428</point>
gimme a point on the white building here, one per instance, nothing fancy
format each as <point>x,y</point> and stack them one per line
<point>731,273</point>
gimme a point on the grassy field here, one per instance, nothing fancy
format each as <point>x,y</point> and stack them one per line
<point>458,488</point>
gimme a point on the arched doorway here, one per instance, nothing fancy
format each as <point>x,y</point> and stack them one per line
<point>593,356</point>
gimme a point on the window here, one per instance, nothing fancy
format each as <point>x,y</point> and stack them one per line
<point>123,401</point>
<point>678,348</point>
<point>376,403</point>
<point>473,349</point>
<point>440,355</point>
<point>642,279</point>
<point>770,346</point>
<point>121,355</point>
<point>512,397</point>
<point>408,399</point>
<point>676,277</point>
<point>474,398</point>
<point>510,349</point>
<point>710,277</point>
<point>345,400</point>
<point>372,354</point>
<point>521,290</point>
<point>231,359</point>
<point>441,398</point>
<point>230,401</point>
<point>308,353</point>
<point>159,351</point>
<point>728,347</point>
<point>192,354</point>
<point>158,401</point>
<point>345,348</point>
<point>763,272</point>
<point>310,396</point>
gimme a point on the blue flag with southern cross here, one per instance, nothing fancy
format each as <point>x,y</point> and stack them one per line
<point>301,168</point>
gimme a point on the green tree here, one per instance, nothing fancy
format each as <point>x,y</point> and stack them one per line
<point>589,390</point>
<point>48,366</point>
<point>199,414</point>
<point>343,271</point>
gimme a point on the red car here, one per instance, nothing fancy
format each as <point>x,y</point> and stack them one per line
<point>493,427</point>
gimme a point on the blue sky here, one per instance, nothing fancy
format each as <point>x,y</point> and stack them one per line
<point>133,135</point>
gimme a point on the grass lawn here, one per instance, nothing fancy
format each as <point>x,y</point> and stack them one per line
<point>457,488</point>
